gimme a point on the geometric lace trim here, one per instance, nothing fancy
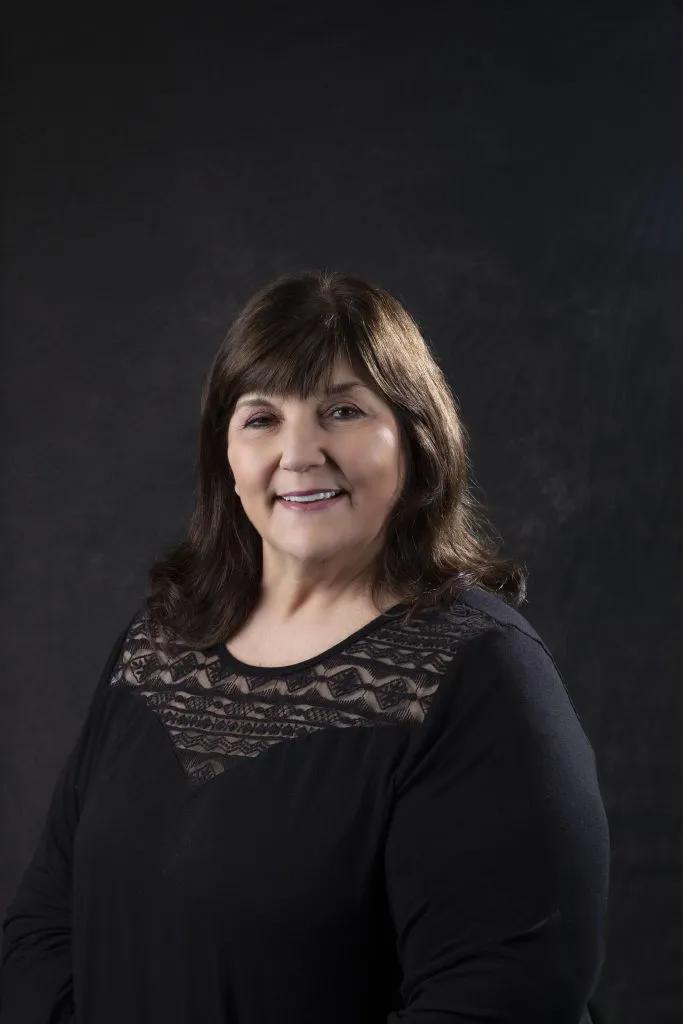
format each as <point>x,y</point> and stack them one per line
<point>216,716</point>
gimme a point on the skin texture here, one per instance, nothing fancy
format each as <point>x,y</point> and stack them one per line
<point>318,563</point>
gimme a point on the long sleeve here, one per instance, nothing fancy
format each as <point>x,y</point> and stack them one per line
<point>497,851</point>
<point>35,965</point>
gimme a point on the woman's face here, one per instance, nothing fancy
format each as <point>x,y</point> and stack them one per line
<point>347,440</point>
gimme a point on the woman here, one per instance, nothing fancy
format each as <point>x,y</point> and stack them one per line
<point>330,773</point>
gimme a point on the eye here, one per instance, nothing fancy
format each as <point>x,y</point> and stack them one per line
<point>253,422</point>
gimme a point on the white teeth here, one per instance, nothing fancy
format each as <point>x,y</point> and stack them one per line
<point>320,496</point>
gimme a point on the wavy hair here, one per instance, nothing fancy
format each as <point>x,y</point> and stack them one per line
<point>286,341</point>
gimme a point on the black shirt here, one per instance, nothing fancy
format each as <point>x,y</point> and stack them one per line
<point>405,829</point>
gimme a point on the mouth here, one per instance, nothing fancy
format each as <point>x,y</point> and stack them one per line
<point>315,505</point>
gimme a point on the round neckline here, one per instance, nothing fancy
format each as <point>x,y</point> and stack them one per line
<point>228,660</point>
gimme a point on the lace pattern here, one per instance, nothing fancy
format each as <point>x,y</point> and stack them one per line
<point>215,715</point>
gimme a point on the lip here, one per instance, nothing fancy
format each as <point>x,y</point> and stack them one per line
<point>309,508</point>
<point>315,490</point>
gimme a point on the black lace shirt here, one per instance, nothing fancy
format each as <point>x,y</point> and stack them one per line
<point>404,829</point>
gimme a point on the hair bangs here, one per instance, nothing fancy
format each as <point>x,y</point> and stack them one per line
<point>302,364</point>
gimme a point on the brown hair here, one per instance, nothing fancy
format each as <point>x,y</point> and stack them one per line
<point>287,341</point>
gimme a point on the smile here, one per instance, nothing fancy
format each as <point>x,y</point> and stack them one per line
<point>310,506</point>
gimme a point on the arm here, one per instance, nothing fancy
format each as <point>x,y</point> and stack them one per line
<point>497,854</point>
<point>35,965</point>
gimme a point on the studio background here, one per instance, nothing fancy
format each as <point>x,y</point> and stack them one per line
<point>513,173</point>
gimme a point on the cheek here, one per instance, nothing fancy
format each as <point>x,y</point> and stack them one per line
<point>383,456</point>
<point>240,463</point>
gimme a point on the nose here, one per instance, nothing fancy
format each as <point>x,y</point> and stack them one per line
<point>302,443</point>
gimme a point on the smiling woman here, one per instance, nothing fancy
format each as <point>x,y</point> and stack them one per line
<point>329,773</point>
<point>324,382</point>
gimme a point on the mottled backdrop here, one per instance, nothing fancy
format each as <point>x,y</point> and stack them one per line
<point>514,174</point>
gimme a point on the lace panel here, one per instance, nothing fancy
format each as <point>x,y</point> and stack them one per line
<point>215,715</point>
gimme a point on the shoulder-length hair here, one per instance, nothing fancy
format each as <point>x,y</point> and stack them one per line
<point>286,341</point>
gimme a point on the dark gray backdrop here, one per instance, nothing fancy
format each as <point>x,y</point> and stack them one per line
<point>514,174</point>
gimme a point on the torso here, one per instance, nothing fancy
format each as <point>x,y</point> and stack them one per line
<point>260,642</point>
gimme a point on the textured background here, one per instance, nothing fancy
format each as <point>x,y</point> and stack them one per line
<point>514,174</point>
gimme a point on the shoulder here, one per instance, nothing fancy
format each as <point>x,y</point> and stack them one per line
<point>502,626</point>
<point>135,631</point>
<point>506,654</point>
<point>134,634</point>
<point>146,654</point>
<point>498,611</point>
<point>501,705</point>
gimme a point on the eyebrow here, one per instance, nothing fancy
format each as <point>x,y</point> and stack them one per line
<point>335,389</point>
